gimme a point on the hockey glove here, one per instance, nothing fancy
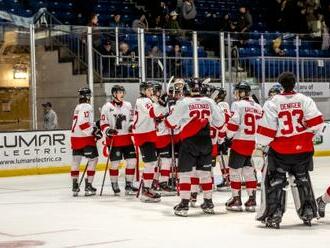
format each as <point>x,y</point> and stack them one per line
<point>111,132</point>
<point>97,133</point>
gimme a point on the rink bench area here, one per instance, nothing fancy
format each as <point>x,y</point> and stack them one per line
<point>49,152</point>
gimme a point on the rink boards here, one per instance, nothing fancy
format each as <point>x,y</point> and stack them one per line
<point>46,152</point>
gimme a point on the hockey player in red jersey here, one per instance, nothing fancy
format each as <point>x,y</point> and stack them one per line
<point>83,142</point>
<point>145,137</point>
<point>322,201</point>
<point>116,120</point>
<point>194,115</point>
<point>288,125</point>
<point>242,128</point>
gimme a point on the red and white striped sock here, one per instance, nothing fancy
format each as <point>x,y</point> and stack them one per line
<point>205,179</point>
<point>165,169</point>
<point>91,169</point>
<point>114,172</point>
<point>185,185</point>
<point>130,169</point>
<point>148,174</point>
<point>235,181</point>
<point>76,160</point>
<point>250,179</point>
<point>326,196</point>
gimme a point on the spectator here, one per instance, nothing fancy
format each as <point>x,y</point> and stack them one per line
<point>173,22</point>
<point>189,14</point>
<point>108,62</point>
<point>227,24</point>
<point>140,23</point>
<point>157,23</point>
<point>50,117</point>
<point>244,24</point>
<point>325,37</point>
<point>176,60</point>
<point>93,20</point>
<point>116,21</point>
<point>277,50</point>
<point>153,66</point>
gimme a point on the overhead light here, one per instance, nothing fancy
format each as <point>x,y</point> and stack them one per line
<point>20,71</point>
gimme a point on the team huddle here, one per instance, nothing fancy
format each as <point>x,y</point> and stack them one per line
<point>181,129</point>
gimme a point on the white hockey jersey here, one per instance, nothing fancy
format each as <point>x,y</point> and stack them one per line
<point>163,132</point>
<point>288,123</point>
<point>82,127</point>
<point>119,117</point>
<point>144,126</point>
<point>242,126</point>
<point>226,109</point>
<point>191,114</point>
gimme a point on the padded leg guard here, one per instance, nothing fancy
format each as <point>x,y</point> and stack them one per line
<point>303,195</point>
<point>273,194</point>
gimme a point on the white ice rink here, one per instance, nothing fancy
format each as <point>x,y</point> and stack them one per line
<point>39,211</point>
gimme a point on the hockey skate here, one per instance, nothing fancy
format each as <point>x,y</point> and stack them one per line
<point>193,200</point>
<point>148,195</point>
<point>165,190</point>
<point>75,187</point>
<point>115,188</point>
<point>250,204</point>
<point>321,206</point>
<point>172,183</point>
<point>182,208</point>
<point>234,204</point>
<point>307,216</point>
<point>274,220</point>
<point>130,189</point>
<point>89,189</point>
<point>208,206</point>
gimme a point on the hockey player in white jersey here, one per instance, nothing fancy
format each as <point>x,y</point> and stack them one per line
<point>242,128</point>
<point>194,115</point>
<point>219,95</point>
<point>145,137</point>
<point>322,202</point>
<point>84,135</point>
<point>288,125</point>
<point>164,139</point>
<point>116,124</point>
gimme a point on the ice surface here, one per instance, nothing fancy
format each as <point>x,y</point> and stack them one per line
<point>39,211</point>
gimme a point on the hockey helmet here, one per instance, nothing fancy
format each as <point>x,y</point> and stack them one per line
<point>157,86</point>
<point>85,93</point>
<point>195,86</point>
<point>218,94</point>
<point>275,90</point>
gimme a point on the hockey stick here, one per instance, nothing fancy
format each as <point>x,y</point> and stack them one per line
<point>83,175</point>
<point>255,98</point>
<point>106,168</point>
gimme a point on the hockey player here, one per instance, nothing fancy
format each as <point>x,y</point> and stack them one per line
<point>116,121</point>
<point>145,137</point>
<point>219,95</point>
<point>163,142</point>
<point>322,201</point>
<point>287,127</point>
<point>242,128</point>
<point>194,115</point>
<point>275,90</point>
<point>83,142</point>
